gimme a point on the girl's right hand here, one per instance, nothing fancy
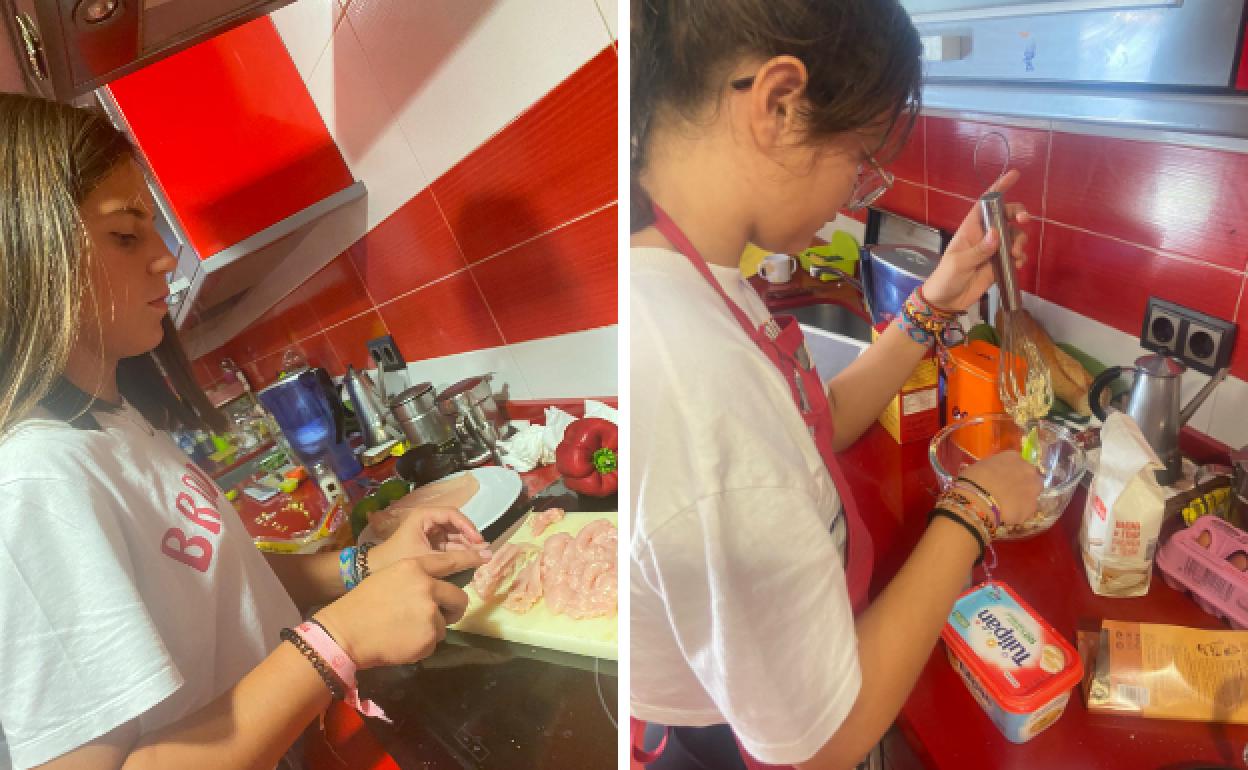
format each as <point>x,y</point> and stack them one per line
<point>1013,481</point>
<point>399,614</point>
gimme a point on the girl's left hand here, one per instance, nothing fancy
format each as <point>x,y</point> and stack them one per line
<point>965,271</point>
<point>425,530</point>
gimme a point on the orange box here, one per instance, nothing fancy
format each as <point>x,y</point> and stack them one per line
<point>914,413</point>
<point>971,387</point>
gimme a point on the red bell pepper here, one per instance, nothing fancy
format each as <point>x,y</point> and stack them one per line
<point>588,457</point>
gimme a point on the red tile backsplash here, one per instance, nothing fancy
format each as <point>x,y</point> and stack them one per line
<point>1118,220</point>
<point>348,340</point>
<point>951,162</point>
<point>411,248</point>
<point>1111,281</point>
<point>319,352</point>
<point>553,163</point>
<point>448,317</point>
<point>909,163</point>
<point>561,282</point>
<point>1185,200</point>
<point>336,293</point>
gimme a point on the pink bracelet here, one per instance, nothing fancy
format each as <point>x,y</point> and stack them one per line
<point>324,645</point>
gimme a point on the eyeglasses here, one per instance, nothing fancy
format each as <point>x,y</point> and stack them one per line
<point>873,181</point>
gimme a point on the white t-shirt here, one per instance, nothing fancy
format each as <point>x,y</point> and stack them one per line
<point>129,588</point>
<point>740,612</point>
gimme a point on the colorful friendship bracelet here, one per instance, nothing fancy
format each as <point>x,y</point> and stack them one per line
<point>346,567</point>
<point>983,493</point>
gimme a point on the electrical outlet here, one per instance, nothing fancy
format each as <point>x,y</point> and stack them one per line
<point>1201,341</point>
<point>386,353</point>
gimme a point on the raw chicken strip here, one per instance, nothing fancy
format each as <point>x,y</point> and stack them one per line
<point>526,589</point>
<point>538,522</point>
<point>489,578</point>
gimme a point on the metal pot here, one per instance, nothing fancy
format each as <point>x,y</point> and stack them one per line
<point>479,421</point>
<point>417,413</point>
<point>890,273</point>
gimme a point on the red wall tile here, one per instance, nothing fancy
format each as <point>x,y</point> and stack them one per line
<point>946,211</point>
<point>552,164</point>
<point>1239,359</point>
<point>336,293</point>
<point>1185,200</point>
<point>448,317</point>
<point>349,339</point>
<point>411,248</point>
<point>564,281</point>
<point>267,335</point>
<point>951,154</point>
<point>909,163</point>
<point>907,199</point>
<point>1111,281</point>
<point>319,352</point>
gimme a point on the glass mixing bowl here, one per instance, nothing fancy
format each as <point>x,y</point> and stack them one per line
<point>1056,455</point>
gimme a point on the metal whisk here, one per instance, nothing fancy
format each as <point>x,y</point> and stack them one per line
<point>1023,380</point>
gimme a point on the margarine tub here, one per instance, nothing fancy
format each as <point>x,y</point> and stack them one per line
<point>1019,668</point>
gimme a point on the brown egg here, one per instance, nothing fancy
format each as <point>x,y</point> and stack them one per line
<point>1239,560</point>
<point>1205,538</point>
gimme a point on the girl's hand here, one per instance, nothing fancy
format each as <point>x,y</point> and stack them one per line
<point>1013,481</point>
<point>425,530</point>
<point>965,271</point>
<point>400,613</point>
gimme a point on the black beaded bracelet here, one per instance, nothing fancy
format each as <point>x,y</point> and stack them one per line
<point>969,527</point>
<point>361,561</point>
<point>322,667</point>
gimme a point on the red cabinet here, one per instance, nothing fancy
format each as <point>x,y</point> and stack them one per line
<point>232,136</point>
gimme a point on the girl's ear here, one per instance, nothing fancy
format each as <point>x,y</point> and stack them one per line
<point>778,88</point>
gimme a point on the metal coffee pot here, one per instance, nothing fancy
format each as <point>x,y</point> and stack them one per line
<point>1153,402</point>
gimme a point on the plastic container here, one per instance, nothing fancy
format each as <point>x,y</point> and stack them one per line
<point>1208,560</point>
<point>1018,668</point>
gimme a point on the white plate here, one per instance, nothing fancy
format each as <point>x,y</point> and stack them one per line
<point>498,488</point>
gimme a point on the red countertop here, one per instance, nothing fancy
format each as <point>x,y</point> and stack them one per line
<point>895,487</point>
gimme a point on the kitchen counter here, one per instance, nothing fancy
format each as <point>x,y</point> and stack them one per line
<point>804,290</point>
<point>941,723</point>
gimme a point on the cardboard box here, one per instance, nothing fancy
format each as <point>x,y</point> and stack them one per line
<point>914,413</point>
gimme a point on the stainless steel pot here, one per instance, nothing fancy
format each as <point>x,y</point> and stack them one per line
<point>479,421</point>
<point>417,413</point>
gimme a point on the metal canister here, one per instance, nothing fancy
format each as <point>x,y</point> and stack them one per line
<point>417,412</point>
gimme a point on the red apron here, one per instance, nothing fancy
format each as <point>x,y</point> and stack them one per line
<point>781,340</point>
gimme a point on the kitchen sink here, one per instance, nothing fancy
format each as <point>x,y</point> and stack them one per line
<point>833,318</point>
<point>835,335</point>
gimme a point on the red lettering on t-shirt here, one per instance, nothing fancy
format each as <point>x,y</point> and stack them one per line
<point>206,517</point>
<point>194,551</point>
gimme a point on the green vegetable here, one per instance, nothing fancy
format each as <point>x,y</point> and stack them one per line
<point>359,514</point>
<point>393,489</point>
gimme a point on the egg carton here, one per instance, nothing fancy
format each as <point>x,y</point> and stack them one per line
<point>1209,561</point>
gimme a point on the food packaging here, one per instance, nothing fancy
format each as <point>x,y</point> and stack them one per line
<point>1209,560</point>
<point>1123,514</point>
<point>914,413</point>
<point>1166,672</point>
<point>1017,667</point>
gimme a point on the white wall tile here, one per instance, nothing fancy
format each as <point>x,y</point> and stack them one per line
<point>460,70</point>
<point>305,28</point>
<point>572,365</point>
<point>611,15</point>
<point>365,126</point>
<point>1229,421</point>
<point>448,370</point>
<point>1116,348</point>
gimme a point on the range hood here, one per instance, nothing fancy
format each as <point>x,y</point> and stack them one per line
<point>68,48</point>
<point>1175,65</point>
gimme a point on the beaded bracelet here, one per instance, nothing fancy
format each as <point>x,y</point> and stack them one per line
<point>336,688</point>
<point>969,527</point>
<point>361,561</point>
<point>346,567</point>
<point>983,493</point>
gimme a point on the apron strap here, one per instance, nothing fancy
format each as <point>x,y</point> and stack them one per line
<point>637,742</point>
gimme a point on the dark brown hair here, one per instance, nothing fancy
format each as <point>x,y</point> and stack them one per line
<point>861,56</point>
<point>51,157</point>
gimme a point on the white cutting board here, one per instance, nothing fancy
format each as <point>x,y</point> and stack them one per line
<point>595,637</point>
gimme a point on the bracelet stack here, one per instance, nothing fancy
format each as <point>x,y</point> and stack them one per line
<point>970,505</point>
<point>926,324</point>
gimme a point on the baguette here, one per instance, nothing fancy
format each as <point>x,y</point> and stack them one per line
<point>1070,380</point>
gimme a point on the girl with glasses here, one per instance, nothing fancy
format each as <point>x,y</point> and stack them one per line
<point>756,121</point>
